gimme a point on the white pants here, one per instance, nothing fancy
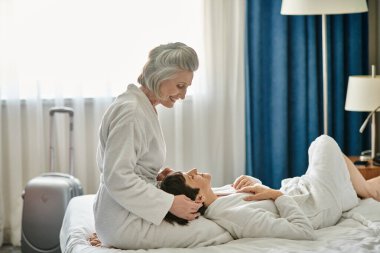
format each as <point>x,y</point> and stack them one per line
<point>325,191</point>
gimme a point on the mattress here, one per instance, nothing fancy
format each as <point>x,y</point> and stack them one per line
<point>357,231</point>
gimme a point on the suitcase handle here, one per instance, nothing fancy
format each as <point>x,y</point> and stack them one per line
<point>70,112</point>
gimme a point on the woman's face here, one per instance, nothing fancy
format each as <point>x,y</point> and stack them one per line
<point>175,88</point>
<point>195,179</point>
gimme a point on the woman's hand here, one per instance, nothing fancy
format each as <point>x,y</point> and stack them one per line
<point>260,192</point>
<point>244,181</point>
<point>163,173</point>
<point>185,208</point>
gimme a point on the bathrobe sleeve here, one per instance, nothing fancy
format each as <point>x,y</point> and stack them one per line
<point>124,142</point>
<point>246,221</point>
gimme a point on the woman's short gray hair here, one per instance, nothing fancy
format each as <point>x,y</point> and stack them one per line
<point>165,61</point>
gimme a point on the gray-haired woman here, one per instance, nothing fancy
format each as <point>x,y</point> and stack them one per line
<point>132,151</point>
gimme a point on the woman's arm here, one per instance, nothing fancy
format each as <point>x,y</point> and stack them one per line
<point>246,220</point>
<point>122,143</point>
<point>260,192</point>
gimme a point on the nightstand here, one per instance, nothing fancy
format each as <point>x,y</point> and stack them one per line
<point>369,171</point>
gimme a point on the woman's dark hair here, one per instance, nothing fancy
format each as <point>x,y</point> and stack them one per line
<point>176,184</point>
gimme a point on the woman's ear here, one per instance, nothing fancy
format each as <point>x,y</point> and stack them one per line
<point>200,198</point>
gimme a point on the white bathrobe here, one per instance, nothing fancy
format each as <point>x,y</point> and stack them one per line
<point>313,201</point>
<point>131,151</point>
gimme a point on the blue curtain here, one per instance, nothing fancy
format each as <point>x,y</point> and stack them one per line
<point>284,110</point>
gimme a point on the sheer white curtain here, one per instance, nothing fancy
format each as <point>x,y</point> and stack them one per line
<point>81,53</point>
<point>207,131</point>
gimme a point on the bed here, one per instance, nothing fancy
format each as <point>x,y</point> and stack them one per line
<point>357,231</point>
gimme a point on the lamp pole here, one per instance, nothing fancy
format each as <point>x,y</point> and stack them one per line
<point>373,136</point>
<point>325,89</point>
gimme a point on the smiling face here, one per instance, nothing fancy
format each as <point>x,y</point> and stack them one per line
<point>175,88</point>
<point>195,179</point>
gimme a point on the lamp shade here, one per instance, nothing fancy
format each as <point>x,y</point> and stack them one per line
<point>319,7</point>
<point>363,93</point>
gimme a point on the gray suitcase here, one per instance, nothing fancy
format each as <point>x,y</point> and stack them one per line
<point>46,198</point>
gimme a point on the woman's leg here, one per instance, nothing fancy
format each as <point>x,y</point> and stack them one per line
<point>364,188</point>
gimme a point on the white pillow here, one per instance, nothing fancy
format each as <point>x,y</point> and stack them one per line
<point>198,233</point>
<point>78,225</point>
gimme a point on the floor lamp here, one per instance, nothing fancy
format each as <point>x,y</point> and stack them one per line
<point>323,7</point>
<point>363,95</point>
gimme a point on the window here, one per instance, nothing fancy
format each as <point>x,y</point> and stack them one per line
<point>88,47</point>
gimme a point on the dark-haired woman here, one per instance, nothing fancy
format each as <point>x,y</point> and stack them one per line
<point>316,200</point>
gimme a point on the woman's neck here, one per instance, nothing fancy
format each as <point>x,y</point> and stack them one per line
<point>150,95</point>
<point>210,197</point>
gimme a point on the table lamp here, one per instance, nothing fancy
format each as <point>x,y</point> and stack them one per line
<point>363,95</point>
<point>323,7</point>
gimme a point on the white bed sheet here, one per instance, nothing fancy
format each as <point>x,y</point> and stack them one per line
<point>358,231</point>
